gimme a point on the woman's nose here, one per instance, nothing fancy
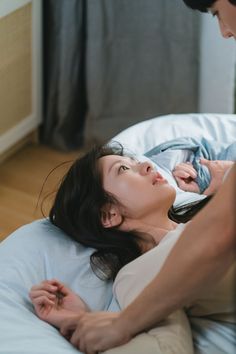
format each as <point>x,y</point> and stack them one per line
<point>226,33</point>
<point>145,168</point>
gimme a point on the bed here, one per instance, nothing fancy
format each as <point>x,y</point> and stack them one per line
<point>40,251</point>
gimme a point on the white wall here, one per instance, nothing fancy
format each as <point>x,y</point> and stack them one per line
<point>7,6</point>
<point>217,69</point>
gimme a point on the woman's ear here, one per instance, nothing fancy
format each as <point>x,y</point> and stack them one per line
<point>110,216</point>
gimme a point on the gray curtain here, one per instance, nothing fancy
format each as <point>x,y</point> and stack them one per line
<point>118,62</point>
<point>65,104</point>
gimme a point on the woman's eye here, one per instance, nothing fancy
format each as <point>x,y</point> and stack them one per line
<point>215,14</point>
<point>123,168</point>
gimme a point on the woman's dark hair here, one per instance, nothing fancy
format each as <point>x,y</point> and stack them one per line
<point>77,211</point>
<point>203,5</point>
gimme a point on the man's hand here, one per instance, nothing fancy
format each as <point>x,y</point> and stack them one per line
<point>217,170</point>
<point>185,175</point>
<point>95,332</point>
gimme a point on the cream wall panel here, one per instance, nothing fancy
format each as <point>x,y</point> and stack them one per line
<point>15,67</point>
<point>20,70</point>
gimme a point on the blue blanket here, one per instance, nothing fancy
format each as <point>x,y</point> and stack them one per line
<point>200,148</point>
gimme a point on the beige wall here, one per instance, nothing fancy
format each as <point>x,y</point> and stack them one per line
<point>15,67</point>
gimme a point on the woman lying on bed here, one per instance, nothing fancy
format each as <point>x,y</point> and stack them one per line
<point>118,206</point>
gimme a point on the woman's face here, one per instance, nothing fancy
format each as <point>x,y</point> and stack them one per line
<point>226,14</point>
<point>138,187</point>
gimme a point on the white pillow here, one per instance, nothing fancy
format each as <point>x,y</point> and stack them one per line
<point>143,136</point>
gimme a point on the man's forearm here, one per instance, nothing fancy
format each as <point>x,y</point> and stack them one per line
<point>202,255</point>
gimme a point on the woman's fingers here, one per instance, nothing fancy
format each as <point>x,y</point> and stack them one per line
<point>43,300</point>
<point>44,286</point>
<point>48,289</point>
<point>60,286</point>
<point>37,293</point>
<point>43,294</point>
<point>52,285</point>
<point>42,310</point>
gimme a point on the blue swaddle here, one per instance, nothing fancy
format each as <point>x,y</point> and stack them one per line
<point>199,148</point>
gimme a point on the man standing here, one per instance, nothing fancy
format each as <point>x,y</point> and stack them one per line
<point>224,10</point>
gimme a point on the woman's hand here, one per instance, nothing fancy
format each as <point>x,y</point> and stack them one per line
<point>53,302</point>
<point>95,332</point>
<point>185,175</point>
<point>217,170</point>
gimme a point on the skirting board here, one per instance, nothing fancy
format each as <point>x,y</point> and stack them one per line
<point>31,138</point>
<point>15,134</point>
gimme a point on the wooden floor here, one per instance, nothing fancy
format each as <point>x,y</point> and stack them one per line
<point>21,179</point>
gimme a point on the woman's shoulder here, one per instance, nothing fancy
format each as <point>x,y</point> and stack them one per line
<point>143,269</point>
<point>174,233</point>
<point>163,247</point>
